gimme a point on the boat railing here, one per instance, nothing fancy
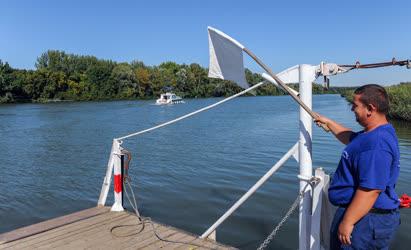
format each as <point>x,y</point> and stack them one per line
<point>318,184</point>
<point>212,230</point>
<point>116,160</point>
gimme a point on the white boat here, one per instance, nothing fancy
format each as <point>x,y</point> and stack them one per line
<point>169,98</point>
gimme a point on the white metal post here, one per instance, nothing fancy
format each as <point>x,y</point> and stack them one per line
<point>315,239</point>
<point>307,76</point>
<point>118,178</point>
<point>107,179</point>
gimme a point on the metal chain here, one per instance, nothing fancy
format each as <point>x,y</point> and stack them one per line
<point>274,232</point>
<point>270,237</point>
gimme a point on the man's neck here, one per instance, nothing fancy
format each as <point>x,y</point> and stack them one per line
<point>375,123</point>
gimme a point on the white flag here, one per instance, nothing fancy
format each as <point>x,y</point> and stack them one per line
<point>226,58</point>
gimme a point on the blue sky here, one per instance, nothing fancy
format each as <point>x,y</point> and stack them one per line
<point>282,34</point>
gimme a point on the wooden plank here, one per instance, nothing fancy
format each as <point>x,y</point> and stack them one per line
<point>98,235</point>
<point>113,242</point>
<point>188,245</point>
<point>140,238</point>
<point>44,236</point>
<point>106,240</point>
<point>207,244</point>
<point>40,242</point>
<point>64,231</point>
<point>161,243</point>
<point>178,238</point>
<point>72,235</point>
<point>50,224</point>
<point>197,243</point>
<point>138,244</point>
<point>91,230</point>
<point>143,238</point>
<point>128,231</point>
<point>184,242</point>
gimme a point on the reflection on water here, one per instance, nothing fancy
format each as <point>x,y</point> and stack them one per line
<point>186,175</point>
<point>403,129</point>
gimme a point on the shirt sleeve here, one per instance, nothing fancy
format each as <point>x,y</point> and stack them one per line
<point>374,169</point>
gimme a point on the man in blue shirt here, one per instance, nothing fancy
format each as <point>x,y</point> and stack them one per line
<point>363,186</point>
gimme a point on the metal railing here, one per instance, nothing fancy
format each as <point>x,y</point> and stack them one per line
<point>211,231</point>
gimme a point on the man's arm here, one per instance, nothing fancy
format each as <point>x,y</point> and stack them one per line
<point>342,133</point>
<point>361,204</point>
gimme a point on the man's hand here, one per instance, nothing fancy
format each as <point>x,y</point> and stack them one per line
<point>344,232</point>
<point>319,119</point>
<point>360,205</point>
<point>342,133</point>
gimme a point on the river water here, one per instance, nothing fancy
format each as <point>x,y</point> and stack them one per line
<point>53,160</point>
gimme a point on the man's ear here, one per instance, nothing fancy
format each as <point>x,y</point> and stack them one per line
<point>371,107</point>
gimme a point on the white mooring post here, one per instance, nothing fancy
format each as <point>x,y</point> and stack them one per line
<point>118,161</point>
<point>307,76</point>
<point>316,218</point>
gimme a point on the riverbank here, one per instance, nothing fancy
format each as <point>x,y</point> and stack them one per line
<point>400,100</point>
<point>62,76</point>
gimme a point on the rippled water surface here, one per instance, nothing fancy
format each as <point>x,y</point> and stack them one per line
<point>53,160</point>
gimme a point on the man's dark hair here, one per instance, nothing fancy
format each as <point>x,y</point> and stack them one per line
<point>374,94</point>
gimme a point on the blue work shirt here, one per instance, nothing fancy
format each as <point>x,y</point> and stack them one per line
<point>371,160</point>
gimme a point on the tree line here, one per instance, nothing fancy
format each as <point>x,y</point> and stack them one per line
<point>62,76</point>
<point>59,76</point>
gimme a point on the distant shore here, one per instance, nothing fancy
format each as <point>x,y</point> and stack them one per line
<point>400,100</point>
<point>62,77</point>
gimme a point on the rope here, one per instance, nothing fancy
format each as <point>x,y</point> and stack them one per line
<point>357,65</point>
<point>147,220</point>
<point>192,113</point>
<point>142,220</point>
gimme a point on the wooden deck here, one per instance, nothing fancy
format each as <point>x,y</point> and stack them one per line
<point>90,229</point>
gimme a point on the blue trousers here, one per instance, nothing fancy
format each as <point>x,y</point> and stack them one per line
<point>373,231</point>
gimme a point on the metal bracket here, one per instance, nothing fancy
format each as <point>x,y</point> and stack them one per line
<point>329,69</point>
<point>313,180</point>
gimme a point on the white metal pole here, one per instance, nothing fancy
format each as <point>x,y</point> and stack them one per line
<point>251,191</point>
<point>307,76</point>
<point>315,239</point>
<point>118,179</point>
<point>107,179</point>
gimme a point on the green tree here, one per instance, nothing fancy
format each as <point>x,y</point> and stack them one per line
<point>197,78</point>
<point>142,76</point>
<point>123,78</point>
<point>98,78</point>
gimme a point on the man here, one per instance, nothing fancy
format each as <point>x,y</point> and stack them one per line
<point>363,185</point>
